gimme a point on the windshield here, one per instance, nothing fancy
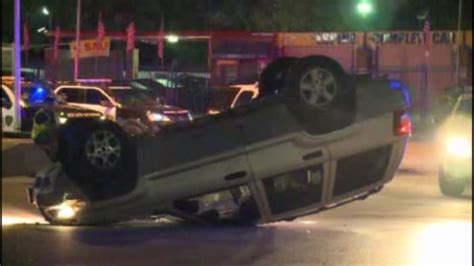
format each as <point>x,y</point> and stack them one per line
<point>133,97</point>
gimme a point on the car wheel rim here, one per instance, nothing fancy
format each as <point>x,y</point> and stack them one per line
<point>318,87</point>
<point>103,149</point>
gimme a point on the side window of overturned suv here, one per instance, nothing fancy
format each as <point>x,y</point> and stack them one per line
<point>294,190</point>
<point>234,204</point>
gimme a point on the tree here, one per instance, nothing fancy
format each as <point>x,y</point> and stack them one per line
<point>252,15</point>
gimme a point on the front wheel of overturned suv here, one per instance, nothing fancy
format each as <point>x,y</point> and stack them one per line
<point>320,94</point>
<point>98,156</point>
<point>450,186</point>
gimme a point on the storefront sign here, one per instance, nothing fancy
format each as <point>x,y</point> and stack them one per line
<point>91,48</point>
<point>315,38</point>
<point>334,38</point>
<point>416,38</point>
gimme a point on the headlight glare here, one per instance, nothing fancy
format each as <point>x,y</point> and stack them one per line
<point>62,120</point>
<point>460,147</point>
<point>157,117</point>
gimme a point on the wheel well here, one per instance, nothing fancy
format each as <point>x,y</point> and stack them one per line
<point>326,59</point>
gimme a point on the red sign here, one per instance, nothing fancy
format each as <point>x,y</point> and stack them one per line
<point>91,48</point>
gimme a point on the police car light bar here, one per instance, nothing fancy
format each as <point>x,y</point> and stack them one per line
<point>120,88</point>
<point>94,80</point>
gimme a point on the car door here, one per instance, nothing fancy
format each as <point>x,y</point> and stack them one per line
<point>290,168</point>
<point>292,178</point>
<point>8,110</point>
<point>205,167</point>
<point>98,100</point>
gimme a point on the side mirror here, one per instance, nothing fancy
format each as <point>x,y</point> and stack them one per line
<point>107,104</point>
<point>6,103</point>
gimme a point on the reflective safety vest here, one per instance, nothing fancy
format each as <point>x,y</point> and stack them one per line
<point>44,127</point>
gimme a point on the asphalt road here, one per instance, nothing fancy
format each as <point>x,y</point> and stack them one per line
<point>408,223</point>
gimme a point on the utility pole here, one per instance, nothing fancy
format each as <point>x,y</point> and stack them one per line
<point>17,63</point>
<point>78,33</point>
<point>459,46</point>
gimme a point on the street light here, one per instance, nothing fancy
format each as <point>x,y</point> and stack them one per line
<point>365,7</point>
<point>172,38</point>
<point>45,11</point>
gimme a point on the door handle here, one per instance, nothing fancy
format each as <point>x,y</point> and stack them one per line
<point>313,155</point>
<point>236,175</point>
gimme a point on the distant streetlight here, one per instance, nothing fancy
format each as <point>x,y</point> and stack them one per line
<point>172,38</point>
<point>364,8</point>
<point>45,11</point>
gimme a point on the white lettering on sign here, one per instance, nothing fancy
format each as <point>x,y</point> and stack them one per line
<point>334,37</point>
<point>437,37</point>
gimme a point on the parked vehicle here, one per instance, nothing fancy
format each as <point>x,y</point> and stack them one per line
<point>135,110</point>
<point>231,97</point>
<point>455,139</point>
<point>35,96</point>
<point>324,140</point>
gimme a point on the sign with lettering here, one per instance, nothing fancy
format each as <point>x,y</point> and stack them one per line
<point>334,37</point>
<point>411,37</point>
<point>318,38</point>
<point>91,48</point>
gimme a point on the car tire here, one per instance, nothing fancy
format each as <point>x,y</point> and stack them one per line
<point>273,78</point>
<point>98,156</point>
<point>450,187</point>
<point>320,95</point>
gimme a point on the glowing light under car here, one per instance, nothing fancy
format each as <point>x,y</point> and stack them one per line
<point>62,120</point>
<point>65,211</point>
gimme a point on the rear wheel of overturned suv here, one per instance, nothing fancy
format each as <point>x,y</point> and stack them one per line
<point>320,94</point>
<point>97,155</point>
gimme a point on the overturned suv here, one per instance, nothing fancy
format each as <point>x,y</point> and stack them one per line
<point>318,138</point>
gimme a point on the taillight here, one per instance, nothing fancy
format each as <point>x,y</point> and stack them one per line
<point>401,123</point>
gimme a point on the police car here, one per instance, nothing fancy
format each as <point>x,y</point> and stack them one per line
<point>35,96</point>
<point>135,110</point>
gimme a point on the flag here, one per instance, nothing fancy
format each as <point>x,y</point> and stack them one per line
<point>427,34</point>
<point>161,38</point>
<point>26,37</point>
<point>131,37</point>
<point>100,29</point>
<point>56,43</point>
